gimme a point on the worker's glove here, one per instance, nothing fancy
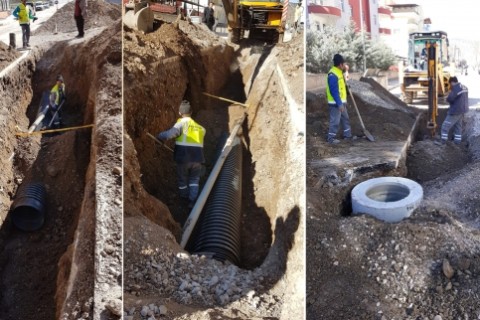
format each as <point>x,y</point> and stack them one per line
<point>160,138</point>
<point>35,19</point>
<point>342,107</point>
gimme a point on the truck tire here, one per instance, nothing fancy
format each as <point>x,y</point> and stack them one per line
<point>390,199</point>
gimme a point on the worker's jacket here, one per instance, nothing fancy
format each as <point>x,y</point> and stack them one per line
<point>458,99</point>
<point>189,140</point>
<point>336,87</point>
<point>23,14</point>
<point>57,94</point>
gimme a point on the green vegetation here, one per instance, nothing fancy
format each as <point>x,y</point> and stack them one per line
<point>321,46</point>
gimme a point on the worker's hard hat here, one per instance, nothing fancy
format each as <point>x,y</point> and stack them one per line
<point>60,78</point>
<point>185,107</point>
<point>338,59</point>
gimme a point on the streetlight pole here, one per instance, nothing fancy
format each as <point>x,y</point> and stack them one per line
<point>363,37</point>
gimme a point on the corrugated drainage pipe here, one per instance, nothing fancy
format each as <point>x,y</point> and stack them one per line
<point>28,208</point>
<point>218,231</point>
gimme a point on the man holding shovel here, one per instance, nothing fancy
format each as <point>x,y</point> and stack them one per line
<point>188,153</point>
<point>337,99</point>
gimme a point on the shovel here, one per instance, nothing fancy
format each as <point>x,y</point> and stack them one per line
<point>365,131</point>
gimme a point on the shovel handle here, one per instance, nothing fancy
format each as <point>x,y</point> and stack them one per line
<point>160,142</point>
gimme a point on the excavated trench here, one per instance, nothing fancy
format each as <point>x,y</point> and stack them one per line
<point>270,215</point>
<point>36,277</point>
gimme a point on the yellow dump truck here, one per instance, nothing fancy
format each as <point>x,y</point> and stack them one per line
<point>416,78</point>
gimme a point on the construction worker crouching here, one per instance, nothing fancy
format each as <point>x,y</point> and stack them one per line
<point>337,100</point>
<point>57,98</point>
<point>188,153</point>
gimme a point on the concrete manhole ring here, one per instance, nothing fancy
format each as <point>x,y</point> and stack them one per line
<point>390,199</point>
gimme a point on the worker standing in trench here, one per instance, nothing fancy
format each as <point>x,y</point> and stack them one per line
<point>188,153</point>
<point>57,97</point>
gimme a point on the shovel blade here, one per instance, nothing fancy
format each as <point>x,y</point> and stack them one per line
<point>368,135</point>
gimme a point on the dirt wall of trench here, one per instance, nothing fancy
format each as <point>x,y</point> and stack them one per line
<point>96,249</point>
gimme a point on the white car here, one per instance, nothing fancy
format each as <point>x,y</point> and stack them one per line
<point>39,5</point>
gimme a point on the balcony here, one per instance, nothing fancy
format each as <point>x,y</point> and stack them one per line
<point>326,7</point>
<point>385,10</point>
<point>385,31</point>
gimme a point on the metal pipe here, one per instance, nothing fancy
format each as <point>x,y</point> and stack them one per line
<point>202,199</point>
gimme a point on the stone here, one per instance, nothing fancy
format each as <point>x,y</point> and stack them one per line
<point>144,311</point>
<point>117,171</point>
<point>437,317</point>
<point>52,171</point>
<point>114,306</point>
<point>162,310</point>
<point>447,269</point>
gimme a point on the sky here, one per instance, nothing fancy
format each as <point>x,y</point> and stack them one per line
<point>459,18</point>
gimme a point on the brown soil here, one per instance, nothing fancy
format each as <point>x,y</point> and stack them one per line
<point>7,55</point>
<point>36,279</point>
<point>361,268</point>
<point>181,63</point>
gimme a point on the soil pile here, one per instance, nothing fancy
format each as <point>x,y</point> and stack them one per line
<point>99,14</point>
<point>7,55</point>
<point>420,268</point>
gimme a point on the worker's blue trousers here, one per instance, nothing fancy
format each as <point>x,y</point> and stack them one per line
<point>189,179</point>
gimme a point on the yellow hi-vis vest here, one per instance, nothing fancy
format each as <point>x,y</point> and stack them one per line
<point>342,87</point>
<point>23,14</point>
<point>192,133</point>
<point>58,91</point>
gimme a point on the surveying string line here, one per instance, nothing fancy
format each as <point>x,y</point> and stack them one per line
<point>21,133</point>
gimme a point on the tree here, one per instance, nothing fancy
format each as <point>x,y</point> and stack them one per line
<point>322,45</point>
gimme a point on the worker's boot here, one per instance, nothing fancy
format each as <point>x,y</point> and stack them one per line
<point>440,142</point>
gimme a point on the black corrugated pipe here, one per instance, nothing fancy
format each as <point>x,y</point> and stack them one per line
<point>218,232</point>
<point>28,208</point>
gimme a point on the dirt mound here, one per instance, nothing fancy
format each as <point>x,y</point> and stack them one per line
<point>99,14</point>
<point>7,55</point>
<point>428,161</point>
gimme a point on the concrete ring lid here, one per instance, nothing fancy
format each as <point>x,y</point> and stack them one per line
<point>390,199</point>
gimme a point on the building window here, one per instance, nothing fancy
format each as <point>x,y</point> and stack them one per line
<point>374,19</point>
<point>343,5</point>
<point>318,27</point>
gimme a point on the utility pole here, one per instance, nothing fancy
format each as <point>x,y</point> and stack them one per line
<point>363,37</point>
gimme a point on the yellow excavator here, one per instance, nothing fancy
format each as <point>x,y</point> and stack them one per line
<point>262,19</point>
<point>416,78</point>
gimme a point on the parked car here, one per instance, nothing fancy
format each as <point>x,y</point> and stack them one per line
<point>39,5</point>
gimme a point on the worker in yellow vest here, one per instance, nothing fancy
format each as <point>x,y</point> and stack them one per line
<point>57,97</point>
<point>23,14</point>
<point>188,153</point>
<point>337,101</point>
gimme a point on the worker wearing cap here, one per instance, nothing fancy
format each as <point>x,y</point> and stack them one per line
<point>24,14</point>
<point>337,100</point>
<point>458,99</point>
<point>188,152</point>
<point>57,95</point>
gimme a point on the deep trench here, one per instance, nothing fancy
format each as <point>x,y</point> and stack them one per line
<point>29,260</point>
<point>256,230</point>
